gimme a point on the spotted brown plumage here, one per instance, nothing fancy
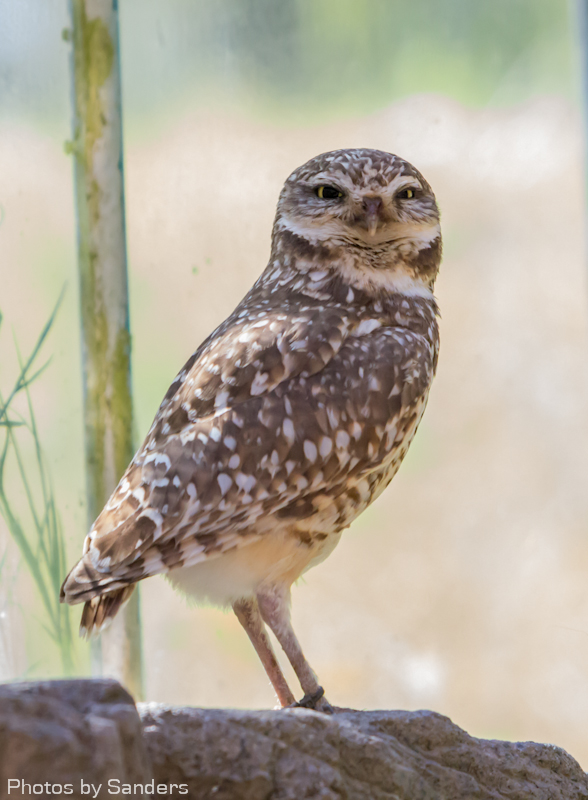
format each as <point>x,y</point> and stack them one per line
<point>292,417</point>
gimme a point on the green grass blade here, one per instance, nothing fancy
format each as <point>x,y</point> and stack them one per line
<point>43,551</point>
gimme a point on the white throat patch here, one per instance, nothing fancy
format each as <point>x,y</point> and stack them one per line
<point>394,280</point>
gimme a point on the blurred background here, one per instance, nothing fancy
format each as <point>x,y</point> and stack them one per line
<point>463,589</point>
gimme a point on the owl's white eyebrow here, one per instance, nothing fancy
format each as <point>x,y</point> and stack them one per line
<point>409,183</point>
<point>340,180</point>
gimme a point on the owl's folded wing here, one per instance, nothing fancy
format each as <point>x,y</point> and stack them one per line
<point>191,492</point>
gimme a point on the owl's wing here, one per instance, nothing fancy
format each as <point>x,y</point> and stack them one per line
<point>191,491</point>
<point>249,359</point>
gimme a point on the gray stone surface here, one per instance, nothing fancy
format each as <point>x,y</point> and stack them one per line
<point>63,732</point>
<point>370,755</point>
<point>66,731</point>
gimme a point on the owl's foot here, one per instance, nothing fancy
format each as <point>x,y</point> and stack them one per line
<point>310,700</point>
<point>316,701</point>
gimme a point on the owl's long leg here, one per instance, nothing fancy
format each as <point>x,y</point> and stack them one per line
<point>249,616</point>
<point>274,605</point>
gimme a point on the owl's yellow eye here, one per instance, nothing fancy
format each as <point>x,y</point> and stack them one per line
<point>328,192</point>
<point>406,194</point>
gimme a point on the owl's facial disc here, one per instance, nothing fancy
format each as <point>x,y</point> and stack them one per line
<point>330,208</point>
<point>367,215</point>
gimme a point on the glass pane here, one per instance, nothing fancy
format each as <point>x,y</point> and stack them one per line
<point>462,588</point>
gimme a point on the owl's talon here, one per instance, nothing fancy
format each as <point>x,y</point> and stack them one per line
<point>324,706</point>
<point>311,701</point>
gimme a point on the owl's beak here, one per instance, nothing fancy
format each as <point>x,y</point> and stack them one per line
<point>372,206</point>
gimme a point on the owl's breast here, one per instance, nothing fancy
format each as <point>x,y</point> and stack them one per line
<point>364,409</point>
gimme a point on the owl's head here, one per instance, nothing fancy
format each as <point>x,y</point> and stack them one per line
<point>365,202</point>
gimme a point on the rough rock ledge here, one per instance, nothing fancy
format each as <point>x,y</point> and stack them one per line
<point>63,732</point>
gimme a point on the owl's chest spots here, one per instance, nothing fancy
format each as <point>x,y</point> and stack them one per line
<point>335,508</point>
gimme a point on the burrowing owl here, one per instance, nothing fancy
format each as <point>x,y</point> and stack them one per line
<point>292,417</point>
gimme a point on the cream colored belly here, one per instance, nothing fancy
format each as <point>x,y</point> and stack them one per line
<point>277,557</point>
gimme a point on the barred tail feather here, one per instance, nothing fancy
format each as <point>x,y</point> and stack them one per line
<point>99,612</point>
<point>85,582</point>
<point>103,594</point>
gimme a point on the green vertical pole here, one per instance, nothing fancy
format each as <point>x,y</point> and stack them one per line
<point>106,345</point>
<point>579,21</point>
<point>581,18</point>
